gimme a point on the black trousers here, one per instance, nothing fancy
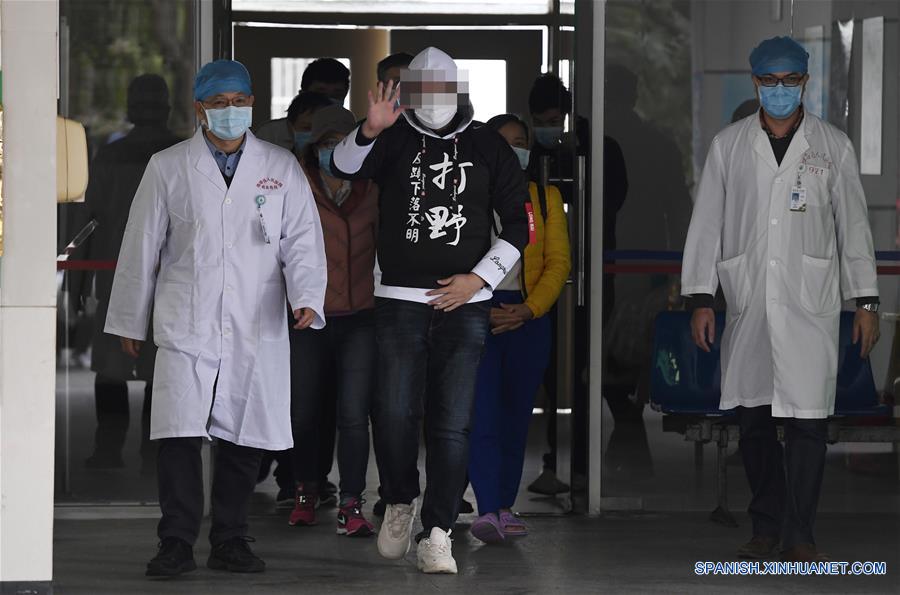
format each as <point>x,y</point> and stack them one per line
<point>180,476</point>
<point>785,482</point>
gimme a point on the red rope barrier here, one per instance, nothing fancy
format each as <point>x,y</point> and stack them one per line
<point>86,265</point>
<point>675,269</point>
<point>616,269</point>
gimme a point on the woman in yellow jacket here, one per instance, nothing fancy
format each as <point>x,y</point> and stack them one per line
<point>516,354</point>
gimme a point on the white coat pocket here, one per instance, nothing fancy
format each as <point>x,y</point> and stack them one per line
<point>819,293</point>
<point>273,323</point>
<point>173,313</point>
<point>735,283</point>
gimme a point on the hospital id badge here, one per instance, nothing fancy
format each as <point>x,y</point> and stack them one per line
<point>798,199</point>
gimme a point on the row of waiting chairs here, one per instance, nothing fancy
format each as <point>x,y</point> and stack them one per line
<point>685,387</point>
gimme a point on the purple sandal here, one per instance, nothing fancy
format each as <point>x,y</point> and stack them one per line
<point>487,528</point>
<point>511,525</point>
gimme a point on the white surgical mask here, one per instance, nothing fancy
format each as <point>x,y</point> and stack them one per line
<point>438,109</point>
<point>229,123</point>
<point>524,156</point>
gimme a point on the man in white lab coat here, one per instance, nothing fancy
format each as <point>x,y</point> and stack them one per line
<point>223,227</point>
<point>780,222</point>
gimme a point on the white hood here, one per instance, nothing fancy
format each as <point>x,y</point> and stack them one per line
<point>435,59</point>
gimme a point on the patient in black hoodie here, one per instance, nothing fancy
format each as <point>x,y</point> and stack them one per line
<point>441,178</point>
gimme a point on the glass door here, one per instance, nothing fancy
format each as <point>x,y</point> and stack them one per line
<point>127,73</point>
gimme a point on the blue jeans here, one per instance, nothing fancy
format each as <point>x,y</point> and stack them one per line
<point>334,364</point>
<point>427,363</point>
<point>510,374</point>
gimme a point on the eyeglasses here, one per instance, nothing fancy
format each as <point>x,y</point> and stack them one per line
<point>222,102</point>
<point>790,80</point>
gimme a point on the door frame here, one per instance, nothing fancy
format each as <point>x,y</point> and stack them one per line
<point>595,276</point>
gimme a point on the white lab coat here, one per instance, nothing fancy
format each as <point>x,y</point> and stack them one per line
<point>782,272</point>
<point>195,249</point>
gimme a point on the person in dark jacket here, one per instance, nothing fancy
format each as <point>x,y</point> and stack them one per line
<point>294,131</point>
<point>441,179</point>
<point>116,172</point>
<point>336,365</point>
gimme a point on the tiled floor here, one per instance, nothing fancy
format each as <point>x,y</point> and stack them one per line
<point>643,553</point>
<point>103,549</point>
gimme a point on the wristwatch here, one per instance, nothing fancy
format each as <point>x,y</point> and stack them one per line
<point>871,307</point>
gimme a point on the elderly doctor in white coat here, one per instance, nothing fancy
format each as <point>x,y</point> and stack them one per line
<point>780,222</point>
<point>222,229</point>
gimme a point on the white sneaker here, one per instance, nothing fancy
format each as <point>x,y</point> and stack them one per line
<point>393,537</point>
<point>435,553</point>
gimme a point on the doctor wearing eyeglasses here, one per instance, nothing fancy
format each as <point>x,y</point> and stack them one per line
<point>780,222</point>
<point>223,230</point>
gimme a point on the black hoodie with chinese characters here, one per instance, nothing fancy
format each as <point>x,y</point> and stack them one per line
<point>437,199</point>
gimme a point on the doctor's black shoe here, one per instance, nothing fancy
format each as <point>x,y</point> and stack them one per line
<point>235,555</point>
<point>175,557</point>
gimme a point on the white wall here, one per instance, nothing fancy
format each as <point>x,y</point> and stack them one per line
<point>27,289</point>
<point>725,33</point>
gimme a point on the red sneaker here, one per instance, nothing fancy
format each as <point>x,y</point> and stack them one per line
<point>351,522</point>
<point>304,513</point>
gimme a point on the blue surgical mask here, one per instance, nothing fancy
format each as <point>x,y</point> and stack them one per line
<point>301,139</point>
<point>325,161</point>
<point>548,136</point>
<point>780,101</point>
<point>229,123</point>
<point>524,156</point>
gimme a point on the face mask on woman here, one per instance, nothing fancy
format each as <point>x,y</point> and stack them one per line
<point>524,156</point>
<point>325,161</point>
<point>229,123</point>
<point>301,139</point>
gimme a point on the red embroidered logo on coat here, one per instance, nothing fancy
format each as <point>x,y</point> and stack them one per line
<point>532,230</point>
<point>269,184</point>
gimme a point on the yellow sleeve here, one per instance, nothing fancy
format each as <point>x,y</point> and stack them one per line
<point>557,257</point>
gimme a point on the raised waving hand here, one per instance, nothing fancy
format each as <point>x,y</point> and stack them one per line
<point>384,109</point>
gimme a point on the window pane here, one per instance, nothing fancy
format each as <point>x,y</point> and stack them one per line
<point>393,7</point>
<point>487,86</point>
<point>286,75</point>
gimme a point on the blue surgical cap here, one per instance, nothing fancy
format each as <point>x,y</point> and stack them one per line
<point>779,54</point>
<point>221,76</point>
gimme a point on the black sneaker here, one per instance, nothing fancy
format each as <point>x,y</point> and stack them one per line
<point>285,498</point>
<point>327,494</point>
<point>235,555</point>
<point>327,486</point>
<point>175,557</point>
<point>379,508</point>
<point>465,507</point>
